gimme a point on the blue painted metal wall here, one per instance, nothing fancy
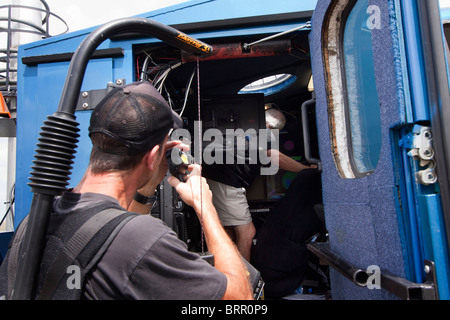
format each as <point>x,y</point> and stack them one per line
<point>424,214</point>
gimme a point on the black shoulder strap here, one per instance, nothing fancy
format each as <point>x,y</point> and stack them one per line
<point>75,245</point>
<point>14,255</point>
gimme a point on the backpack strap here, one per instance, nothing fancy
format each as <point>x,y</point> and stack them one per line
<point>76,244</point>
<point>14,255</point>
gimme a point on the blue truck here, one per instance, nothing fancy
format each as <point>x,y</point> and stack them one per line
<point>364,86</point>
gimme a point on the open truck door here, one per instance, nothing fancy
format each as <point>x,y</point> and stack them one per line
<point>382,100</point>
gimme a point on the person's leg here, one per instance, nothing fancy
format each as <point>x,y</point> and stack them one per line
<point>233,211</point>
<point>231,233</point>
<point>244,238</point>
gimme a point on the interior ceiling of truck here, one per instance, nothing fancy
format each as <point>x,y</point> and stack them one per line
<point>232,69</point>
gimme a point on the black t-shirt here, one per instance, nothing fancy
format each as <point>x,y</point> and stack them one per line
<point>245,168</point>
<point>146,260</point>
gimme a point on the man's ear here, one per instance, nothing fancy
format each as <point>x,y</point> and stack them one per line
<point>152,157</point>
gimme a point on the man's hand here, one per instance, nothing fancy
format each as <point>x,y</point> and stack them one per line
<point>189,191</point>
<point>226,256</point>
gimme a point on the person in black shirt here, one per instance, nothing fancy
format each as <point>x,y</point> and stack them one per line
<point>228,183</point>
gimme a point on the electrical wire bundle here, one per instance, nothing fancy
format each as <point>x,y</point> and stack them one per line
<point>157,75</point>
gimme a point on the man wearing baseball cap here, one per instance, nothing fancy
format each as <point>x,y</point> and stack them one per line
<point>144,259</point>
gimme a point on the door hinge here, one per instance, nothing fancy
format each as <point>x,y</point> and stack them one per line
<point>420,144</point>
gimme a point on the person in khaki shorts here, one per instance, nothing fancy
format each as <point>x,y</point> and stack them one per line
<point>228,182</point>
<point>234,214</point>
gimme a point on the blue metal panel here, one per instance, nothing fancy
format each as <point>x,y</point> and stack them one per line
<point>427,234</point>
<point>212,10</point>
<point>193,11</point>
<point>435,249</point>
<point>422,221</point>
<point>43,86</point>
<point>410,225</point>
<point>417,75</point>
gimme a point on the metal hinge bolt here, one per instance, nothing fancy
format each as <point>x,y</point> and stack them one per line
<point>420,142</point>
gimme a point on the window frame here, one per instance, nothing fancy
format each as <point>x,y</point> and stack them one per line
<point>273,87</point>
<point>332,37</point>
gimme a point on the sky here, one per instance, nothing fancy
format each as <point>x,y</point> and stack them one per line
<point>444,3</point>
<point>81,14</point>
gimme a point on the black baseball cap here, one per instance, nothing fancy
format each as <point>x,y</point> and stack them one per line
<point>136,115</point>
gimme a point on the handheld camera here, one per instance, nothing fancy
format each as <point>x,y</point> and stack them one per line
<point>178,161</point>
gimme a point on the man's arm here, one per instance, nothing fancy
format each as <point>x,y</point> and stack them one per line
<point>226,256</point>
<point>287,163</point>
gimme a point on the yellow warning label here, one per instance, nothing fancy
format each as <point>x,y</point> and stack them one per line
<point>184,158</point>
<point>193,42</point>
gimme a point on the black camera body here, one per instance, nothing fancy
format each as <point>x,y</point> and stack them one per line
<point>178,161</point>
